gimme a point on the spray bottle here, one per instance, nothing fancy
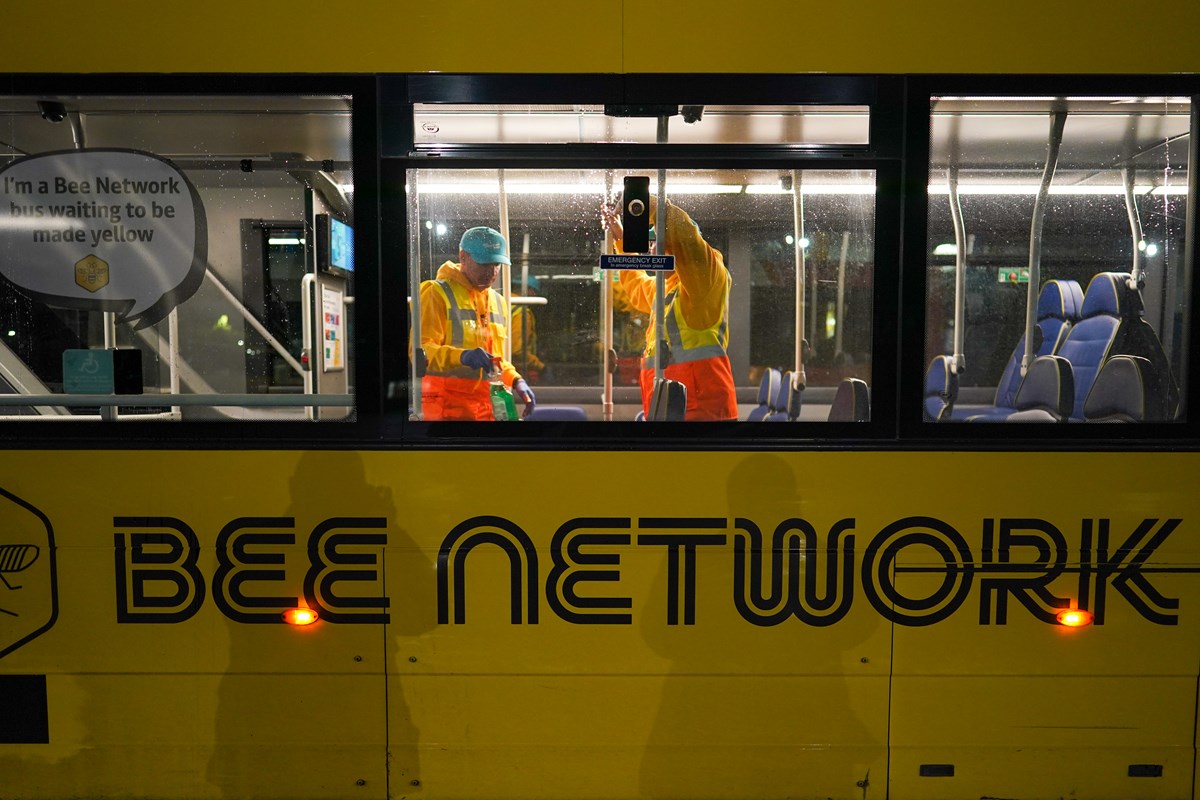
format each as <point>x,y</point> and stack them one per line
<point>504,409</point>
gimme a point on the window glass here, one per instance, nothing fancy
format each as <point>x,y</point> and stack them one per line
<point>440,124</point>
<point>169,250</point>
<point>760,224</point>
<point>1064,218</point>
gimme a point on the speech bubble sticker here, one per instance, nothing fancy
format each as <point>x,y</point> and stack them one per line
<point>105,230</point>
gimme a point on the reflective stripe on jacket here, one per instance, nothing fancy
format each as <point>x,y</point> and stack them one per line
<point>455,317</point>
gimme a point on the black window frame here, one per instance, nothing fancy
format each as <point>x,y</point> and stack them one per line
<point>912,429</point>
<point>881,94</point>
<point>363,426</point>
<point>382,149</point>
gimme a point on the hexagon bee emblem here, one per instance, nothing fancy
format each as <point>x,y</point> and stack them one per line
<point>91,272</point>
<point>28,584</point>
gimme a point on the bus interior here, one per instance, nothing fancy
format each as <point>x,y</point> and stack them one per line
<point>1023,192</point>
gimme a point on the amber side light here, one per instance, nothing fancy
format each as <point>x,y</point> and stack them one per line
<point>300,616</point>
<point>1075,617</point>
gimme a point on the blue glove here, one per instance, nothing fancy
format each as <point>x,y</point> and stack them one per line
<point>477,359</point>
<point>521,389</point>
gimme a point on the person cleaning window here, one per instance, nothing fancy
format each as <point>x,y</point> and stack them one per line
<point>463,331</point>
<point>696,315</point>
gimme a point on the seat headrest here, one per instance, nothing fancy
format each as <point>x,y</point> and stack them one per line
<point>1104,294</point>
<point>1049,385</point>
<point>937,376</point>
<point>851,402</point>
<point>1060,300</point>
<point>782,392</point>
<point>768,387</point>
<point>941,389</point>
<point>1125,390</point>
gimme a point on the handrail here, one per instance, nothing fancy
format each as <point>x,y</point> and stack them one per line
<point>247,315</point>
<point>1058,121</point>
<point>799,375</point>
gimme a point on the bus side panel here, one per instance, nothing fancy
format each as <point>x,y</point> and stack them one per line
<point>532,624</point>
<point>997,703</point>
<point>640,676</point>
<point>153,688</point>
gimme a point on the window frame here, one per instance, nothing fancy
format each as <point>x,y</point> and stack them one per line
<point>881,155</point>
<point>362,425</point>
<point>922,90</point>
<point>898,152</point>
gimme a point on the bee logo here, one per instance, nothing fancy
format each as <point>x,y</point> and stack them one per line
<point>16,558</point>
<point>28,584</point>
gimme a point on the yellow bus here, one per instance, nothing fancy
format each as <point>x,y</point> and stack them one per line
<point>941,547</point>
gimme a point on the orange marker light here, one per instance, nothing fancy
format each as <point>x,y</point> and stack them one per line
<point>1075,617</point>
<point>300,616</point>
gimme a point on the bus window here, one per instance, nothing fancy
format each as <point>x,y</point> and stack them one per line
<point>767,226</point>
<point>161,255</point>
<point>1056,233</point>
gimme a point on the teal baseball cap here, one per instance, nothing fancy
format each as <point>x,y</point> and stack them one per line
<point>485,246</point>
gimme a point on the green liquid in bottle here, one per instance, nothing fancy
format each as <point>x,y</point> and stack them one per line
<point>504,409</point>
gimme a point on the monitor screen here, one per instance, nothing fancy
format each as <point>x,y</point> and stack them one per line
<point>341,245</point>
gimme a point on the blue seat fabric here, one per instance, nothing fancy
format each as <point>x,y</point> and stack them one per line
<point>941,390</point>
<point>768,389</point>
<point>1060,305</point>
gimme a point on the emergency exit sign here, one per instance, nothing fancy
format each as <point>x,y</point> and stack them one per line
<point>633,261</point>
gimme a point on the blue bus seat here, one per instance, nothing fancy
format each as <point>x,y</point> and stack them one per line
<point>941,390</point>
<point>1060,305</point>
<point>1046,395</point>
<point>851,402</point>
<point>1090,341</point>
<point>768,388</point>
<point>781,405</point>
<point>1125,390</point>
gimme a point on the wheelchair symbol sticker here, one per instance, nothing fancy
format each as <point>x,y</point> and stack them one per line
<point>28,584</point>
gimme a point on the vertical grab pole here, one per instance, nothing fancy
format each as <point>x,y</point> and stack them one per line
<point>1135,224</point>
<point>505,269</point>
<point>841,292</point>
<point>173,356</point>
<point>799,378</point>
<point>958,359</point>
<point>606,316</point>
<point>1058,121</point>
<point>660,280</point>
<point>528,311</point>
<point>414,292</point>
<point>307,301</point>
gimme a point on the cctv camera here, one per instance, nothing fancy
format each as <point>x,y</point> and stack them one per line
<point>52,110</point>
<point>691,114</point>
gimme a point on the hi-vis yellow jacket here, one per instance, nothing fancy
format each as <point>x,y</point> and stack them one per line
<point>697,302</point>
<point>455,316</point>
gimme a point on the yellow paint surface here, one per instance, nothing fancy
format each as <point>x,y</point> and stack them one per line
<point>371,36</point>
<point>210,707</point>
